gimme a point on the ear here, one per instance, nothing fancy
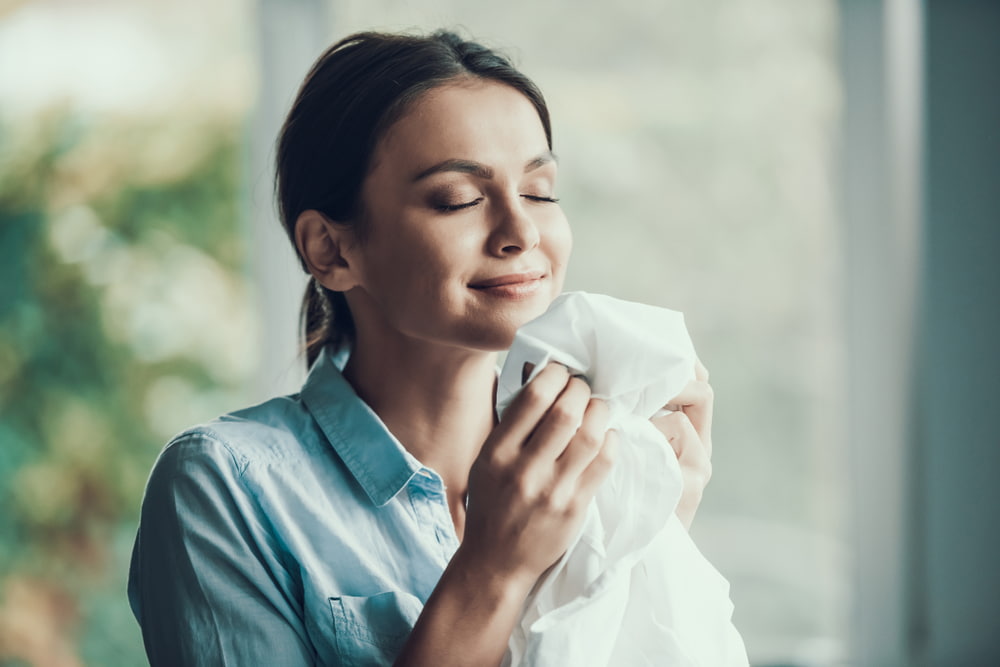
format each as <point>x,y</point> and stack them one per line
<point>326,246</point>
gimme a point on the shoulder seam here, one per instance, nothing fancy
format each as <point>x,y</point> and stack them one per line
<point>240,461</point>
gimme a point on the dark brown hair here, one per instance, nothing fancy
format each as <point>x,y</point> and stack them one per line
<point>354,92</point>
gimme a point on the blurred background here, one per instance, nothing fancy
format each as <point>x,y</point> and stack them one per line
<point>813,182</point>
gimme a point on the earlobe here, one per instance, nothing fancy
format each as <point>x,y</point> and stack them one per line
<point>325,246</point>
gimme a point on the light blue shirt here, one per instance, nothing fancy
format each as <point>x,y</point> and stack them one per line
<point>295,532</point>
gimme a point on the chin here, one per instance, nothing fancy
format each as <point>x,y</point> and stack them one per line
<point>489,339</point>
<point>498,334</point>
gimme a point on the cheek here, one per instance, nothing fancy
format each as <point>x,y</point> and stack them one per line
<point>558,242</point>
<point>417,260</point>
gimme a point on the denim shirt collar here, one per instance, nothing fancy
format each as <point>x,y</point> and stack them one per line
<point>377,460</point>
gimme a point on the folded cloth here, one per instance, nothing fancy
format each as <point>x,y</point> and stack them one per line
<point>632,589</point>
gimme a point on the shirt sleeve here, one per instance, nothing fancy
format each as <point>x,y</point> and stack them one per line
<point>202,583</point>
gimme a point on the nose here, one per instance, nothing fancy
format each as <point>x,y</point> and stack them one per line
<point>514,231</point>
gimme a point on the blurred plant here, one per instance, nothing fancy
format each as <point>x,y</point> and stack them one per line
<point>124,315</point>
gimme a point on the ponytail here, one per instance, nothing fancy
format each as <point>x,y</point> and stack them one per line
<point>326,320</point>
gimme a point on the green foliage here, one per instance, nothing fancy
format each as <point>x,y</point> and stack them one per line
<point>92,215</point>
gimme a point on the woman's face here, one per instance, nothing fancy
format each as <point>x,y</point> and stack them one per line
<point>464,241</point>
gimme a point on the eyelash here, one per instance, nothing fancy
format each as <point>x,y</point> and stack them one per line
<point>449,208</point>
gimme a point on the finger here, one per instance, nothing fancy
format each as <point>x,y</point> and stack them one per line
<point>696,400</point>
<point>559,425</point>
<point>693,454</point>
<point>693,392</point>
<point>684,439</point>
<point>587,442</point>
<point>700,375</point>
<point>525,411</point>
<point>597,470</point>
<point>671,426</point>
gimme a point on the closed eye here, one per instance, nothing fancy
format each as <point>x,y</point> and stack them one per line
<point>448,208</point>
<point>539,198</point>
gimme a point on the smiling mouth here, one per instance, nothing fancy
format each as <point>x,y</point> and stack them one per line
<point>509,280</point>
<point>514,286</point>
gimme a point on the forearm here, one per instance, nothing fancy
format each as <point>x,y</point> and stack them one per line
<point>467,620</point>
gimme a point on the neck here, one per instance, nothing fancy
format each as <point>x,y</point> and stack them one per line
<point>437,401</point>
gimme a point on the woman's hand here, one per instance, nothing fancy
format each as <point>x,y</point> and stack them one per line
<point>537,472</point>
<point>689,431</point>
<point>528,493</point>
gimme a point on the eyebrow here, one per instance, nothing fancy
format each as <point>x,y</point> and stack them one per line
<point>481,170</point>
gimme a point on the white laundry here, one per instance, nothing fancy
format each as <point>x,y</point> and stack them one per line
<point>633,589</point>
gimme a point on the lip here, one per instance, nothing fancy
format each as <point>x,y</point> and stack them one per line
<point>512,286</point>
<point>510,279</point>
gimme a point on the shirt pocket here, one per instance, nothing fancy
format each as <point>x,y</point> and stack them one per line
<point>371,630</point>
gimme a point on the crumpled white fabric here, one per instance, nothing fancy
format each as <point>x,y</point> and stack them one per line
<point>633,589</point>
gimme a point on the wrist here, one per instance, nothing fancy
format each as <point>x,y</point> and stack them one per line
<point>469,617</point>
<point>497,587</point>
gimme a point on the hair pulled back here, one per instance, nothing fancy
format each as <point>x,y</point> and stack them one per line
<point>354,92</point>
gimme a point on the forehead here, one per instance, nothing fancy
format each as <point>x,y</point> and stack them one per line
<point>482,121</point>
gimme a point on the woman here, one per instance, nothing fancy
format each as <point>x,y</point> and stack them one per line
<point>383,514</point>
